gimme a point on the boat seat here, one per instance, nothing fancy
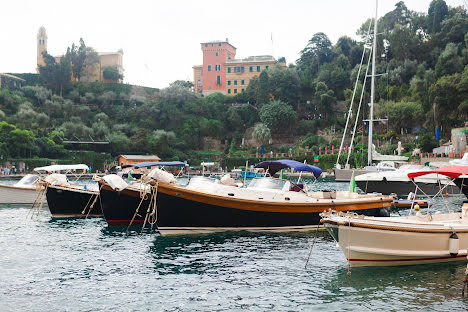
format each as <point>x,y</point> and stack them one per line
<point>296,187</point>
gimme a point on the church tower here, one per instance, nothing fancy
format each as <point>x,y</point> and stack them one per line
<point>41,46</point>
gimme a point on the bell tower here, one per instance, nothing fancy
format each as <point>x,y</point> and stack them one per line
<point>41,46</point>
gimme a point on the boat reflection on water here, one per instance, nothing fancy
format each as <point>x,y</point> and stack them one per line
<point>227,252</point>
<point>420,288</point>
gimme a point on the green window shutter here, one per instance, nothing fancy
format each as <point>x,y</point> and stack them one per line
<point>266,67</point>
<point>209,67</point>
<point>218,79</point>
<point>235,82</point>
<point>235,90</point>
<point>258,68</point>
<point>229,69</point>
<point>251,69</point>
<point>229,82</point>
<point>242,82</point>
<point>229,91</point>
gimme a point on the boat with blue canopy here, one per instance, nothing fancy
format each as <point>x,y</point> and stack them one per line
<point>209,205</point>
<point>273,166</point>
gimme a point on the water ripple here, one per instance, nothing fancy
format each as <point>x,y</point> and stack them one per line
<point>81,265</point>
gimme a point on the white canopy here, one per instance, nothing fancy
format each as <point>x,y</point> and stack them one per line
<point>58,168</point>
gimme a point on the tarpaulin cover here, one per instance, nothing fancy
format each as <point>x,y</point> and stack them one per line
<point>451,171</point>
<point>274,166</point>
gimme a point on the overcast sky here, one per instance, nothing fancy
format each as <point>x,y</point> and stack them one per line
<point>161,39</point>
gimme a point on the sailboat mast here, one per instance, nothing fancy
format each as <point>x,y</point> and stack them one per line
<point>371,113</point>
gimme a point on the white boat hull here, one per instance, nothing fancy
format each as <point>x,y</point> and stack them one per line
<point>398,240</point>
<point>10,194</point>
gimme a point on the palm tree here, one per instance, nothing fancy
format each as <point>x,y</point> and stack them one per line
<point>262,134</point>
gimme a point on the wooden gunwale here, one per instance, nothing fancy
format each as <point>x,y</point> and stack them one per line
<point>392,228</point>
<point>18,187</point>
<point>71,188</point>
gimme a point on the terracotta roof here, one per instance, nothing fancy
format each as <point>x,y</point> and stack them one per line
<point>141,157</point>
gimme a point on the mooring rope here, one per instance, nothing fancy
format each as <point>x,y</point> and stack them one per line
<point>151,213</point>
<point>94,201</point>
<point>42,195</point>
<point>349,246</point>
<point>142,196</point>
<point>312,246</point>
<point>40,190</point>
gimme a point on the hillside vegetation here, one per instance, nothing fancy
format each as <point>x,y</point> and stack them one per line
<point>423,57</point>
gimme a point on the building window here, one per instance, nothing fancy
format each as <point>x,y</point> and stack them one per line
<point>206,45</point>
<point>216,53</point>
<point>242,90</point>
<point>219,44</point>
<point>235,90</point>
<point>229,69</point>
<point>251,69</point>
<point>218,80</point>
<point>209,67</point>
<point>229,91</point>
<point>239,69</point>
<point>235,82</point>
<point>211,44</point>
<point>258,68</point>
<point>229,82</point>
<point>266,67</point>
<point>242,82</point>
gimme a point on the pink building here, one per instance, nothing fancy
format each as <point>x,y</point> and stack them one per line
<point>213,70</point>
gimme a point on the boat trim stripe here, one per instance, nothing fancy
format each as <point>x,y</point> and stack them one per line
<point>392,228</point>
<point>405,260</point>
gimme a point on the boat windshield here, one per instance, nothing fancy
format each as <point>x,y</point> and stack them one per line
<point>199,180</point>
<point>268,183</point>
<point>27,180</point>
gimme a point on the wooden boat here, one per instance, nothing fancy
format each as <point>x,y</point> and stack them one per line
<point>66,200</point>
<point>414,239</point>
<point>22,192</point>
<point>205,205</point>
<point>399,183</point>
<point>407,203</point>
<point>25,191</point>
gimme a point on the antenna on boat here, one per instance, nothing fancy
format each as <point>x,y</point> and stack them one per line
<point>352,99</point>
<point>245,172</point>
<point>371,113</point>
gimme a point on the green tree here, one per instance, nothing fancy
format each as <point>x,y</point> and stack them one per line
<point>284,85</point>
<point>56,75</point>
<point>263,89</point>
<point>261,133</point>
<point>278,116</point>
<point>111,73</point>
<point>449,61</point>
<point>78,58</point>
<point>317,51</point>
<point>437,12</point>
<point>324,100</point>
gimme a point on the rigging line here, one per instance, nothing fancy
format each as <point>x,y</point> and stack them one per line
<point>359,109</point>
<point>354,93</point>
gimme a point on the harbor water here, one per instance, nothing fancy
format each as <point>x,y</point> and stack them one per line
<point>82,265</point>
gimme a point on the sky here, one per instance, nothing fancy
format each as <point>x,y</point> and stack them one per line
<point>161,39</point>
